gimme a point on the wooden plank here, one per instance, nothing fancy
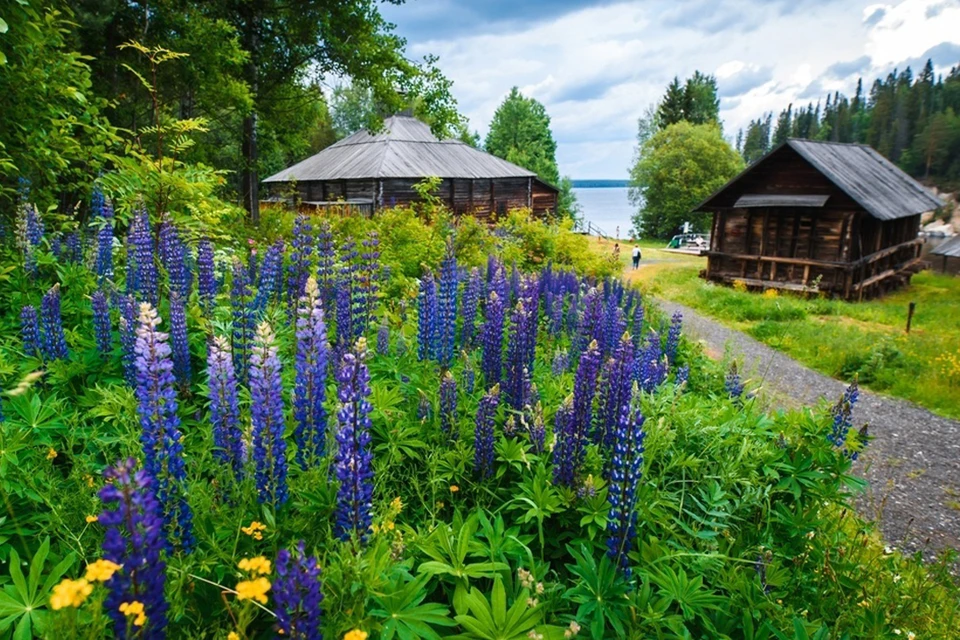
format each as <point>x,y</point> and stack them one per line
<point>796,261</point>
<point>754,282</point>
<point>886,274</point>
<point>843,238</point>
<point>812,247</point>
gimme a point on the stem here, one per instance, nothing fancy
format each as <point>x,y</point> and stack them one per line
<point>221,587</point>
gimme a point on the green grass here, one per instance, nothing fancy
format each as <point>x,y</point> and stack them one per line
<point>842,339</point>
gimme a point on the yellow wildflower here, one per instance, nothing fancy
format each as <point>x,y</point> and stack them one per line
<point>92,519</point>
<point>255,530</point>
<point>233,636</point>
<point>255,565</point>
<point>253,590</point>
<point>89,480</point>
<point>101,570</point>
<point>454,488</point>
<point>51,453</point>
<point>70,593</point>
<point>389,525</point>
<point>134,610</point>
<point>356,634</point>
<point>397,504</point>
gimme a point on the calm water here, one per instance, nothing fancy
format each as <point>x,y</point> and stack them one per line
<point>606,208</point>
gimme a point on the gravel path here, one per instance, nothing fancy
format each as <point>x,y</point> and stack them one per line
<point>913,463</point>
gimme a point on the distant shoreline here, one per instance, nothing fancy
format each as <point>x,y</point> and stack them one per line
<point>599,184</point>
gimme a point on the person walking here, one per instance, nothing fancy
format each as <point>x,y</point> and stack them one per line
<point>636,256</point>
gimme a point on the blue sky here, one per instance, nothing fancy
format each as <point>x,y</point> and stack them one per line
<point>598,65</point>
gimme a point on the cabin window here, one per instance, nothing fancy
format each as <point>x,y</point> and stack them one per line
<point>501,209</point>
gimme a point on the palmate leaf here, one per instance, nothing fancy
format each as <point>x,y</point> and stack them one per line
<point>492,620</point>
<point>403,614</point>
<point>23,602</point>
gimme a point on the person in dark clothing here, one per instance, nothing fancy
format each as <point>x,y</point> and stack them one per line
<point>636,256</point>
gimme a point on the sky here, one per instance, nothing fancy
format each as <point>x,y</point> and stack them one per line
<point>597,66</point>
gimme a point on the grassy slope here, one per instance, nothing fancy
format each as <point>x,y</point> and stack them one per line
<point>836,338</point>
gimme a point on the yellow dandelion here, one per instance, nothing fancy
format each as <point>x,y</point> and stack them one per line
<point>253,590</point>
<point>101,570</point>
<point>355,634</point>
<point>70,593</point>
<point>51,453</point>
<point>454,488</point>
<point>258,564</point>
<point>91,519</point>
<point>134,610</point>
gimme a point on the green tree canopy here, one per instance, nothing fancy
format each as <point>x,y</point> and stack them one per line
<point>694,101</point>
<point>520,133</point>
<point>676,169</point>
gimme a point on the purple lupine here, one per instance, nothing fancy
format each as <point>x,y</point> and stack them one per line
<point>383,339</point>
<point>561,362</point>
<point>732,382</point>
<point>636,328</point>
<point>573,314</point>
<point>471,302</point>
<point>590,321</point>
<point>140,240</point>
<point>173,256</point>
<point>616,383</point>
<point>556,314</point>
<point>297,594</point>
<point>345,319</point>
<point>424,408</point>
<point>244,321</point>
<point>73,248</point>
<point>313,354</point>
<point>522,332</point>
<point>564,449</point>
<point>268,284</point>
<point>448,407</point>
<point>447,307</point>
<point>673,337</point>
<point>266,417</point>
<point>491,340</point>
<point>626,469</point>
<point>30,331</point>
<point>683,374</point>
<point>53,343</point>
<point>353,462</point>
<point>651,365</point>
<point>301,259</point>
<point>160,428</point>
<point>326,257</point>
<point>101,322</point>
<point>133,539</point>
<point>224,406</point>
<point>842,414</point>
<point>29,234</point>
<point>469,375</point>
<point>483,435</point>
<point>55,245</point>
<point>128,337</point>
<point>427,318</point>
<point>612,324</point>
<point>584,389</point>
<point>368,279</point>
<point>206,277</point>
<point>103,212</point>
<point>178,339</point>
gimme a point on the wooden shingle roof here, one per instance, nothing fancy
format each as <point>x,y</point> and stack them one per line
<point>405,148</point>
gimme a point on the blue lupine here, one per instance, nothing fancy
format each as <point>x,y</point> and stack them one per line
<point>424,408</point>
<point>842,414</point>
<point>224,406</point>
<point>673,337</point>
<point>301,259</point>
<point>383,339</point>
<point>448,406</point>
<point>561,362</point>
<point>471,302</point>
<point>297,594</point>
<point>206,277</point>
<point>584,388</point>
<point>140,241</point>
<point>266,417</point>
<point>128,337</point>
<point>268,284</point>
<point>30,331</point>
<point>30,234</point>
<point>133,539</point>
<point>469,377</point>
<point>732,383</point>
<point>101,322</point>
<point>345,319</point>
<point>636,328</point>
<point>178,339</point>
<point>491,340</point>
<point>173,255</point>
<point>522,334</point>
<point>556,314</point>
<point>564,464</point>
<point>683,373</point>
<point>73,247</point>
<point>160,428</point>
<point>353,462</point>
<point>55,246</point>
<point>590,321</point>
<point>326,258</point>
<point>651,365</point>
<point>244,321</point>
<point>626,469</point>
<point>447,308</point>
<point>616,383</point>
<point>483,435</point>
<point>368,280</point>
<point>427,319</point>
<point>313,353</point>
<point>103,266</point>
<point>53,343</point>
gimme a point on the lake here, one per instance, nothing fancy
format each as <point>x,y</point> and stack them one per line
<point>607,208</point>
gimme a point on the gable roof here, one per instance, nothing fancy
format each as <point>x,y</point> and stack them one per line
<point>949,247</point>
<point>875,183</point>
<point>405,148</point>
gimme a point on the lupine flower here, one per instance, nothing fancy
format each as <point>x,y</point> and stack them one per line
<point>178,339</point>
<point>651,366</point>
<point>369,278</point>
<point>29,234</point>
<point>53,344</point>
<point>30,330</point>
<point>613,324</point>
<point>224,406</point>
<point>673,337</point>
<point>244,321</point>
<point>326,258</point>
<point>471,301</point>
<point>345,319</point>
<point>74,247</point>
<point>55,246</point>
<point>561,362</point>
<point>313,353</point>
<point>683,373</point>
<point>353,462</point>
<point>101,322</point>
<point>469,376</point>
<point>522,334</point>
<point>590,323</point>
<point>448,406</point>
<point>424,409</point>
<point>483,436</point>
<point>383,339</point>
<point>626,468</point>
<point>206,278</point>
<point>140,241</point>
<point>128,337</point>
<point>103,210</point>
<point>427,319</point>
<point>842,414</point>
<point>133,540</point>
<point>301,259</point>
<point>536,428</point>
<point>491,339</point>
<point>732,383</point>
<point>570,455</point>
<point>564,467</point>
<point>173,255</point>
<point>636,329</point>
<point>556,314</point>
<point>296,592</point>
<point>266,416</point>
<point>616,383</point>
<point>268,285</point>
<point>573,314</point>
<point>160,424</point>
<point>447,308</point>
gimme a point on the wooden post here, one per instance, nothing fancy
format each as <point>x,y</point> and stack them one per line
<point>912,308</point>
<point>471,195</point>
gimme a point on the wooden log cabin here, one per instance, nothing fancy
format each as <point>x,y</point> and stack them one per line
<point>368,171</point>
<point>818,217</point>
